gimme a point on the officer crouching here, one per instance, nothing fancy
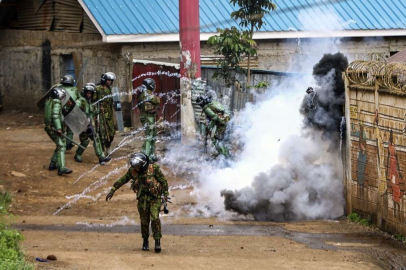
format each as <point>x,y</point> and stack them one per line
<point>150,184</point>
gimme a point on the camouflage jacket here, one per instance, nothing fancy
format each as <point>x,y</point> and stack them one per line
<point>71,90</point>
<point>150,183</point>
<point>148,102</point>
<point>86,107</point>
<point>106,105</point>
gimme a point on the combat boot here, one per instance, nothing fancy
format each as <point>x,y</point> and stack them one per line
<point>52,166</point>
<point>145,244</point>
<point>69,146</point>
<point>64,171</point>
<point>78,158</point>
<point>103,161</point>
<point>157,245</point>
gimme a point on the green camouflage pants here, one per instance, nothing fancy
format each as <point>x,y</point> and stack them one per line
<point>107,130</point>
<point>148,121</point>
<point>149,208</point>
<point>58,157</point>
<point>84,141</point>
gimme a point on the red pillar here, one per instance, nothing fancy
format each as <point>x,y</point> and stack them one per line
<point>189,32</point>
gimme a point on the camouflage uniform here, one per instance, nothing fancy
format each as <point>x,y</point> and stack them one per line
<point>218,118</point>
<point>149,186</point>
<point>148,103</point>
<point>53,120</point>
<point>90,112</point>
<point>105,123</point>
<point>74,94</point>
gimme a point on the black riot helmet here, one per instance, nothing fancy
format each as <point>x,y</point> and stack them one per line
<point>89,87</point>
<point>150,84</point>
<point>139,162</point>
<point>203,100</point>
<point>58,93</point>
<point>109,76</point>
<point>68,80</point>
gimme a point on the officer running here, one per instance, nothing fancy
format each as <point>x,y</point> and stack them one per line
<point>150,184</point>
<point>85,104</point>
<point>54,127</point>
<point>148,103</point>
<point>105,122</point>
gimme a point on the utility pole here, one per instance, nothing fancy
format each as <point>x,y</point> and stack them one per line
<point>189,33</point>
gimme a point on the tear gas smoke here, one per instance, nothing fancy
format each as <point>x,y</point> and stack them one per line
<point>305,180</point>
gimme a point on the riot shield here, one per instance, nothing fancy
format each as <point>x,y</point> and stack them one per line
<point>117,109</point>
<point>75,118</point>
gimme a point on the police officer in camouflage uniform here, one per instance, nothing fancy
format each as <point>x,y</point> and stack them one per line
<point>85,104</point>
<point>54,127</point>
<point>150,184</point>
<point>68,84</point>
<point>148,103</point>
<point>105,123</point>
<point>217,117</point>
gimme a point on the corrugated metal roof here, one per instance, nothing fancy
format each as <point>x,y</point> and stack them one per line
<point>88,26</point>
<point>129,17</point>
<point>399,57</point>
<point>68,16</point>
<point>40,20</point>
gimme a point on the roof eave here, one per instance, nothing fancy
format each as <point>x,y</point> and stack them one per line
<point>174,37</point>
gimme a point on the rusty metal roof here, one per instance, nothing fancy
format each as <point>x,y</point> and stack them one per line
<point>68,16</point>
<point>399,57</point>
<point>40,20</point>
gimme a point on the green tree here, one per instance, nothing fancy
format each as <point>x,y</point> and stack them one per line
<point>251,15</point>
<point>233,44</point>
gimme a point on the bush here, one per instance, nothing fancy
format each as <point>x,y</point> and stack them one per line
<point>11,256</point>
<point>354,217</point>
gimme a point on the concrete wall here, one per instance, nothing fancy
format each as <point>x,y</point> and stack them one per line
<point>376,160</point>
<point>32,61</point>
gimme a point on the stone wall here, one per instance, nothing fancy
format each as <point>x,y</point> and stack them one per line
<point>32,61</point>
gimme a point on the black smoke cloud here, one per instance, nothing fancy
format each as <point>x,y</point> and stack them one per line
<point>322,110</point>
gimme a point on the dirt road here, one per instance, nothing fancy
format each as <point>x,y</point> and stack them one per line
<point>95,234</point>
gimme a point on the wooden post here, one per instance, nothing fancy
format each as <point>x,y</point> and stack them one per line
<point>347,177</point>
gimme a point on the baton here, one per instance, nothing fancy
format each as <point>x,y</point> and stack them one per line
<point>72,141</point>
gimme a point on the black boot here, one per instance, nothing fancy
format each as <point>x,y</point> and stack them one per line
<point>104,160</point>
<point>64,171</point>
<point>157,245</point>
<point>69,146</point>
<point>52,166</point>
<point>145,244</point>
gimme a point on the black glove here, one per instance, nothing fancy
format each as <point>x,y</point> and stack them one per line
<point>110,195</point>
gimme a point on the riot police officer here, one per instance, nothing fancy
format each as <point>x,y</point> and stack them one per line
<point>85,104</point>
<point>105,122</point>
<point>148,103</point>
<point>68,84</point>
<point>150,184</point>
<point>54,127</point>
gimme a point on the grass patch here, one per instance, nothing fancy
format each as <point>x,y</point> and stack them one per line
<point>11,255</point>
<point>400,237</point>
<point>354,217</point>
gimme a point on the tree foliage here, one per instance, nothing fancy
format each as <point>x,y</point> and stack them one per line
<point>251,12</point>
<point>233,44</point>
